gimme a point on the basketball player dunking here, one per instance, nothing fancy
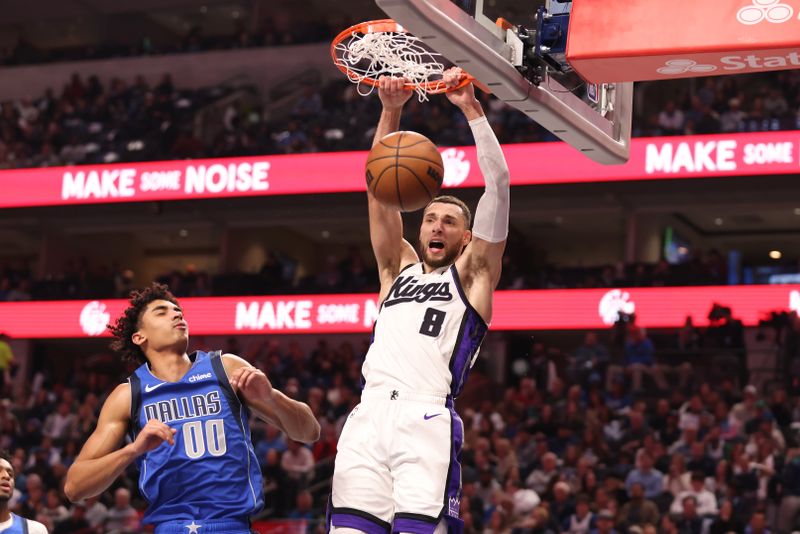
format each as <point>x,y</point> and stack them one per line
<point>187,415</point>
<point>12,523</point>
<point>397,467</point>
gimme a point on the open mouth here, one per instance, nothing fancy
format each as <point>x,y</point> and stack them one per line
<point>436,245</point>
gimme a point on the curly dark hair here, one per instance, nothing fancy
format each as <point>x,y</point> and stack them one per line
<point>5,455</point>
<point>128,322</point>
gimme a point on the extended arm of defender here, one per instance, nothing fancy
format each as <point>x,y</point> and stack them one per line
<point>100,461</point>
<point>294,418</point>
<point>386,224</point>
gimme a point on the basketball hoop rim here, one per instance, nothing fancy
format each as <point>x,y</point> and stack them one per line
<point>388,26</point>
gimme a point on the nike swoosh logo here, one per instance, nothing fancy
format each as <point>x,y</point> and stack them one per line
<point>148,388</point>
<point>426,416</point>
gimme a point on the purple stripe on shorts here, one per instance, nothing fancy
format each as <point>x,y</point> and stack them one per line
<point>414,526</point>
<point>356,522</point>
<point>452,497</point>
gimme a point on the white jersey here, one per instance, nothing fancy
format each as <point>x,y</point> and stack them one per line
<point>427,335</point>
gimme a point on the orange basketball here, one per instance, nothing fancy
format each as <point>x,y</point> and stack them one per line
<point>405,171</point>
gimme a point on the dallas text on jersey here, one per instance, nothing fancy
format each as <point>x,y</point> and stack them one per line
<point>183,408</point>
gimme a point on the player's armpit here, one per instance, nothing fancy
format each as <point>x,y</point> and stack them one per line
<point>387,275</point>
<point>479,271</point>
<point>485,259</point>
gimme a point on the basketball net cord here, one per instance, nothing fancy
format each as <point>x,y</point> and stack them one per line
<point>371,55</point>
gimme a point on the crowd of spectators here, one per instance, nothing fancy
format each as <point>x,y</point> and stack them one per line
<point>136,121</point>
<point>567,444</point>
<point>350,272</point>
<point>88,123</point>
<point>280,27</point>
<point>726,104</point>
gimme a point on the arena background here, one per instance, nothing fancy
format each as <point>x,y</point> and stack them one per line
<point>685,259</point>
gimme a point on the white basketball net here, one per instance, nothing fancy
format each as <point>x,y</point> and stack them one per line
<point>373,55</point>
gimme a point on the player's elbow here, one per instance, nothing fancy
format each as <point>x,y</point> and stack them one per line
<point>71,490</point>
<point>313,431</point>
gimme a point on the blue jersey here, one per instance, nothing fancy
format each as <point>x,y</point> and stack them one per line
<point>211,472</point>
<point>19,525</point>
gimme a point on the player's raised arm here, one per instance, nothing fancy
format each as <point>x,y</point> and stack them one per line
<point>392,252</point>
<point>101,460</point>
<point>294,418</point>
<point>483,258</point>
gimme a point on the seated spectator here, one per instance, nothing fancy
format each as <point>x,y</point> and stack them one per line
<point>54,509</point>
<point>651,480</point>
<point>705,503</point>
<point>689,521</point>
<point>683,446</point>
<point>789,511</point>
<point>60,424</point>
<point>671,119</point>
<point>591,357</point>
<point>517,501</point>
<point>582,521</point>
<point>640,360</point>
<point>298,462</point>
<point>745,411</point>
<point>726,522</point>
<point>122,518</point>
<point>637,511</point>
<point>96,513</point>
<point>668,525</point>
<point>76,523</point>
<point>487,485</point>
<point>471,503</point>
<point>604,523</point>
<point>539,480</point>
<point>699,460</point>
<point>719,484</point>
<point>617,398</point>
<point>758,524</point>
<point>303,506</point>
<point>732,119</point>
<point>677,479</point>
<point>273,439</point>
<point>561,505</point>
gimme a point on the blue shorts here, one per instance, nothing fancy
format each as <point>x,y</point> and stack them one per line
<point>197,526</point>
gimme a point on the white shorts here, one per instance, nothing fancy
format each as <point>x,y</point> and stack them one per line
<point>397,466</point>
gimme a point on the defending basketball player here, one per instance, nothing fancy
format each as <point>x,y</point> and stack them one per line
<point>11,523</point>
<point>187,415</point>
<point>397,467</point>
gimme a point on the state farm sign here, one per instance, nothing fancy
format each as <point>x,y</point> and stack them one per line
<point>716,37</point>
<point>327,314</point>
